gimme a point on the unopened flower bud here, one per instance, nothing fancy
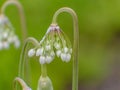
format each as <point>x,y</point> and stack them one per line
<point>68,57</point>
<point>58,53</point>
<point>57,45</point>
<point>48,47</point>
<point>31,52</point>
<point>5,45</point>
<point>48,59</point>
<point>39,52</point>
<point>63,56</point>
<point>65,49</point>
<point>42,59</point>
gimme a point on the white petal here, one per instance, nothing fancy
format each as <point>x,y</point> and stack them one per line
<point>58,53</point>
<point>14,38</point>
<point>5,34</point>
<point>31,52</point>
<point>49,59</point>
<point>65,49</point>
<point>68,57</point>
<point>63,56</point>
<point>48,47</point>
<point>5,45</point>
<point>10,39</point>
<point>57,45</point>
<point>52,53</point>
<point>39,52</point>
<point>42,60</point>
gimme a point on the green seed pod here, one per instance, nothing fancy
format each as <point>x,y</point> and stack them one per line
<point>44,83</point>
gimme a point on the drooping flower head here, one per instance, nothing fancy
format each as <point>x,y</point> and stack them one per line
<point>54,43</point>
<point>7,34</point>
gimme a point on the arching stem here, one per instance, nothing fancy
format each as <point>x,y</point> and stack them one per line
<point>23,58</point>
<point>23,53</point>
<point>76,42</point>
<point>21,13</point>
<point>22,83</point>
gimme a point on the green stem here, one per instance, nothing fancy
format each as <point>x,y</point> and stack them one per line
<point>23,57</point>
<point>43,70</point>
<point>21,13</point>
<point>24,61</point>
<point>76,42</point>
<point>21,82</point>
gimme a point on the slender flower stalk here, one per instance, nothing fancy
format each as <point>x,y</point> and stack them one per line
<point>23,59</point>
<point>22,83</point>
<point>21,13</point>
<point>76,42</point>
<point>44,83</point>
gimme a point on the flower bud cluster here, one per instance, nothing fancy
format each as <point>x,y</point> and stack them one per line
<point>7,35</point>
<point>53,43</point>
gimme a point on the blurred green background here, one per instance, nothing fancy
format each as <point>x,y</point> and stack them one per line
<point>99,23</point>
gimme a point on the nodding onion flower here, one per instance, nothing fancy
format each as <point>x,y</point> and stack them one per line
<point>7,34</point>
<point>55,42</point>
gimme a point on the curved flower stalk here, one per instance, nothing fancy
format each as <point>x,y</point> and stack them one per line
<point>22,83</point>
<point>44,82</point>
<point>7,32</point>
<point>54,43</point>
<point>76,42</point>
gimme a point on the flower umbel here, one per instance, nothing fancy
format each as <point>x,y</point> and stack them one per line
<point>53,43</point>
<point>7,34</point>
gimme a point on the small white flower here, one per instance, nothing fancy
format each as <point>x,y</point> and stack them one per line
<point>48,47</point>
<point>10,39</point>
<point>68,57</point>
<point>42,60</point>
<point>5,34</point>
<point>57,45</point>
<point>5,45</point>
<point>49,59</point>
<point>65,49</point>
<point>52,53</point>
<point>58,53</point>
<point>31,52</point>
<point>63,56</point>
<point>15,38</point>
<point>39,51</point>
